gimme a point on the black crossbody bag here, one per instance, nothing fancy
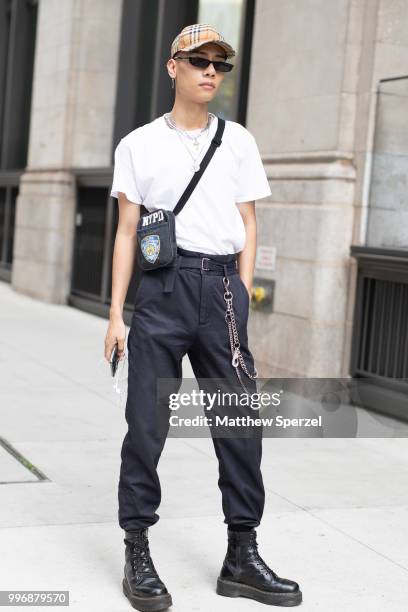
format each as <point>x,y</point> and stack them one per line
<point>156,231</point>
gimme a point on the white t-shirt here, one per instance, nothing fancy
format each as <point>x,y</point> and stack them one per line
<point>153,168</point>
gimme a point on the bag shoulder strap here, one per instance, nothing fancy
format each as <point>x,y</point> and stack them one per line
<point>215,142</point>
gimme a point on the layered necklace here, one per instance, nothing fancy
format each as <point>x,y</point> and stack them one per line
<point>194,139</point>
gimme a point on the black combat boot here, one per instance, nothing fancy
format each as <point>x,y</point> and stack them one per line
<point>245,574</point>
<point>141,584</point>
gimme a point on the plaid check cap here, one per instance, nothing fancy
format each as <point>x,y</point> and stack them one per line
<point>193,36</point>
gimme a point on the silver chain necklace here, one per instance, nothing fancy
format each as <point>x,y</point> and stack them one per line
<point>180,132</point>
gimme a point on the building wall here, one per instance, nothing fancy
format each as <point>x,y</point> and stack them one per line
<point>379,218</point>
<point>337,162</point>
<point>72,114</point>
<point>387,222</point>
<point>302,107</point>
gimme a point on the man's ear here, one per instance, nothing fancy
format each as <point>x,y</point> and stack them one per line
<point>170,67</point>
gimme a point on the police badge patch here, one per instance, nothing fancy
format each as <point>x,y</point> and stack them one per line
<point>150,246</point>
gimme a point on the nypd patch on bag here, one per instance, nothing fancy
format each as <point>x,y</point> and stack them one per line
<point>156,239</point>
<point>150,246</point>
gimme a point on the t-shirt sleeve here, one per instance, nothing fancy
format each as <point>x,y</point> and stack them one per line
<point>252,181</point>
<point>124,178</point>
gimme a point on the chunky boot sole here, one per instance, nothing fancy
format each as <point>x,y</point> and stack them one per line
<point>238,589</point>
<point>153,603</point>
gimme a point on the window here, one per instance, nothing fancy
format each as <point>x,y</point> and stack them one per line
<point>18,19</point>
<point>233,18</point>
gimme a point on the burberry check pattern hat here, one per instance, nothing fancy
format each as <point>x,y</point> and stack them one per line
<point>193,36</point>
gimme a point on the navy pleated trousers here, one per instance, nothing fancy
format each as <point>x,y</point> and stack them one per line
<point>179,311</point>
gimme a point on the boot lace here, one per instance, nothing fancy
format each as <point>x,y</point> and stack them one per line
<point>140,555</point>
<point>257,559</point>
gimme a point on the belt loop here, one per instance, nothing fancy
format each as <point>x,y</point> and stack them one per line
<point>170,275</point>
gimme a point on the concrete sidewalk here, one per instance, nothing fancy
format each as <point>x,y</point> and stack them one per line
<point>336,514</point>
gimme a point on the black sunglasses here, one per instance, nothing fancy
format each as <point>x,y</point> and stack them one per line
<point>202,62</point>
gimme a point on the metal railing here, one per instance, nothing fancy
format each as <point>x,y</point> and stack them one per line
<point>380,328</point>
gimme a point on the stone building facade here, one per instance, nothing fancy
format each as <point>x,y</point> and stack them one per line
<point>314,93</point>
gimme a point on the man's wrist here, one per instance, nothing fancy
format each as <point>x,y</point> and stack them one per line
<point>115,311</point>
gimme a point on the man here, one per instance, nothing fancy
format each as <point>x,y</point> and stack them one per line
<point>181,310</point>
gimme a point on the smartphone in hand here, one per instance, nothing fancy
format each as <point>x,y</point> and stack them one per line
<point>114,360</point>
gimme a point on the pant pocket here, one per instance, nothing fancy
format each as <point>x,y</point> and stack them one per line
<point>245,292</point>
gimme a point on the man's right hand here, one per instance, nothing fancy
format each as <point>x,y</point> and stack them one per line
<point>116,334</point>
